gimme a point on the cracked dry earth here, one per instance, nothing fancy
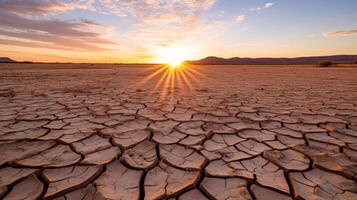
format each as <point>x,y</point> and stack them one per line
<point>70,132</point>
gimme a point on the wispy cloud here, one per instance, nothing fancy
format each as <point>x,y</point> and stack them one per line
<point>221,13</point>
<point>265,6</point>
<point>240,18</point>
<point>255,9</point>
<point>341,33</point>
<point>153,11</point>
<point>43,7</point>
<point>53,33</point>
<point>158,21</point>
<point>268,5</point>
<point>36,23</point>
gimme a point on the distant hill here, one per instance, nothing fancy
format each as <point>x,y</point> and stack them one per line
<point>274,61</point>
<point>6,60</point>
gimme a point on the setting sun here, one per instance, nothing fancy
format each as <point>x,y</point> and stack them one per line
<point>173,55</point>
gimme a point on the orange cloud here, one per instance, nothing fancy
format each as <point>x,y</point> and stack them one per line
<point>43,7</point>
<point>34,24</point>
<point>240,18</point>
<point>72,35</point>
<point>341,33</point>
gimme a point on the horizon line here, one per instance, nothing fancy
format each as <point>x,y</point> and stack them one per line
<point>185,61</point>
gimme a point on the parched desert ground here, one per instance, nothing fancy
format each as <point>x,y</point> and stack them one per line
<point>72,132</point>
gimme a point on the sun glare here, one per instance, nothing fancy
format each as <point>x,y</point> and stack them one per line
<point>173,55</point>
<point>173,64</point>
<point>173,74</point>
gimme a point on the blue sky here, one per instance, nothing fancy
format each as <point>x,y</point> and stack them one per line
<point>140,30</point>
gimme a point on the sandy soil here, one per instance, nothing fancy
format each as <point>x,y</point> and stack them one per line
<point>200,132</point>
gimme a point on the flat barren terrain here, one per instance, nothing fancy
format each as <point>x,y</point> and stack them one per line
<point>80,131</point>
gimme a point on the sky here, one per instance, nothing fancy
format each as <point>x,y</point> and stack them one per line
<point>149,31</point>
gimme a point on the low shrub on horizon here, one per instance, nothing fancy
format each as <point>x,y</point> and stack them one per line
<point>325,64</point>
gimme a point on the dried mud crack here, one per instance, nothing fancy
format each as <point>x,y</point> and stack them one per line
<point>96,135</point>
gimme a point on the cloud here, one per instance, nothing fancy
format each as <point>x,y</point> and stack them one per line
<point>221,13</point>
<point>265,6</point>
<point>35,22</point>
<point>268,5</point>
<point>54,33</point>
<point>341,33</point>
<point>255,9</point>
<point>240,18</point>
<point>154,11</point>
<point>157,21</point>
<point>43,7</point>
<point>30,23</point>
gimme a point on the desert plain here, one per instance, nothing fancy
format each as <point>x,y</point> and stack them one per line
<point>123,132</point>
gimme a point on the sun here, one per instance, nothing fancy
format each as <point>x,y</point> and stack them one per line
<point>174,63</point>
<point>173,55</point>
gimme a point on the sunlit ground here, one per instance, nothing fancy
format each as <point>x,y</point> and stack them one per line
<point>173,77</point>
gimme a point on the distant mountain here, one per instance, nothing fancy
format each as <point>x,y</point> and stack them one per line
<point>6,60</point>
<point>274,61</point>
